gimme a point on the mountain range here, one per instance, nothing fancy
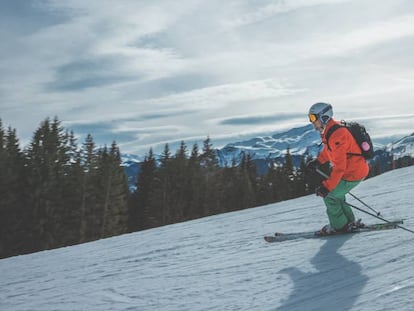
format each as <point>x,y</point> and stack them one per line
<point>273,148</point>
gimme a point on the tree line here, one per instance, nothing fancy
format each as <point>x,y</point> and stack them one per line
<point>56,192</point>
<point>181,187</point>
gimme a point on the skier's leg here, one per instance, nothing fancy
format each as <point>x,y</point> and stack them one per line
<point>340,213</point>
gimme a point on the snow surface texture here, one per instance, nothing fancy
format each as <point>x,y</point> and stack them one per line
<point>223,263</point>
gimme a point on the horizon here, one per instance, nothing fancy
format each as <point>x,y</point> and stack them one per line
<point>238,140</point>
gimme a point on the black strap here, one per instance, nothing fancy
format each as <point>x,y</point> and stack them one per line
<point>332,129</point>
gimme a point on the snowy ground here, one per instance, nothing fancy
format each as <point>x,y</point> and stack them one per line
<point>223,263</point>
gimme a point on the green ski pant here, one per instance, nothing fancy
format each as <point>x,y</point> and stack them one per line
<point>340,213</point>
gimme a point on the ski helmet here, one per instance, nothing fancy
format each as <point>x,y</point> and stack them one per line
<point>320,111</point>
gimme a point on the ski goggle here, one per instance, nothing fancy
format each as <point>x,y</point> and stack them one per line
<point>313,117</point>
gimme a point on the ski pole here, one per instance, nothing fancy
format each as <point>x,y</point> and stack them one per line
<point>380,218</point>
<point>354,196</point>
<point>362,202</point>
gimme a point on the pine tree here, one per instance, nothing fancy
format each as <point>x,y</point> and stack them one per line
<point>19,220</point>
<point>13,217</point>
<point>180,184</point>
<point>41,159</point>
<point>48,161</point>
<point>288,166</point>
<point>231,183</point>
<point>88,202</point>
<point>300,188</point>
<point>210,168</point>
<point>275,179</point>
<point>247,182</point>
<point>162,191</point>
<point>71,196</point>
<point>288,176</point>
<point>140,206</point>
<point>197,185</point>
<point>112,193</point>
<point>208,158</point>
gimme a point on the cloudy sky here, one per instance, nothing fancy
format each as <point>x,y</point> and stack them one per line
<point>145,73</point>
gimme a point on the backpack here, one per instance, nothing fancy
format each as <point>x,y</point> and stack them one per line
<point>360,135</point>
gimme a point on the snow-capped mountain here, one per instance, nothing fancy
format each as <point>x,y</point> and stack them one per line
<point>299,141</point>
<point>132,166</point>
<point>222,263</point>
<point>402,147</point>
<point>129,159</point>
<point>273,148</point>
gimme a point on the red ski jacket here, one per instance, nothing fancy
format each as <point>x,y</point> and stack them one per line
<point>344,166</point>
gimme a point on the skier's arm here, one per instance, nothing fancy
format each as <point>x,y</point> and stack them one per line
<point>339,142</point>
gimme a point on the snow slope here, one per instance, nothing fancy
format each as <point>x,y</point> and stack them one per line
<point>223,263</point>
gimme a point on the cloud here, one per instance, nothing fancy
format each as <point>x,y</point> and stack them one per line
<point>367,37</point>
<point>223,95</point>
<point>149,72</point>
<point>260,119</point>
<point>273,9</point>
<point>82,74</point>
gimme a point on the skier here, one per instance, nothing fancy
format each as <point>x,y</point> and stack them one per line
<point>348,168</point>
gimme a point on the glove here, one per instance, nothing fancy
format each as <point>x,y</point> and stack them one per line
<point>321,191</point>
<point>312,164</point>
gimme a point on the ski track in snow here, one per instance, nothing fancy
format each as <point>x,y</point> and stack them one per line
<point>222,263</point>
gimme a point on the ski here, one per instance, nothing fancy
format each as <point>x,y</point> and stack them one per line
<point>280,237</point>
